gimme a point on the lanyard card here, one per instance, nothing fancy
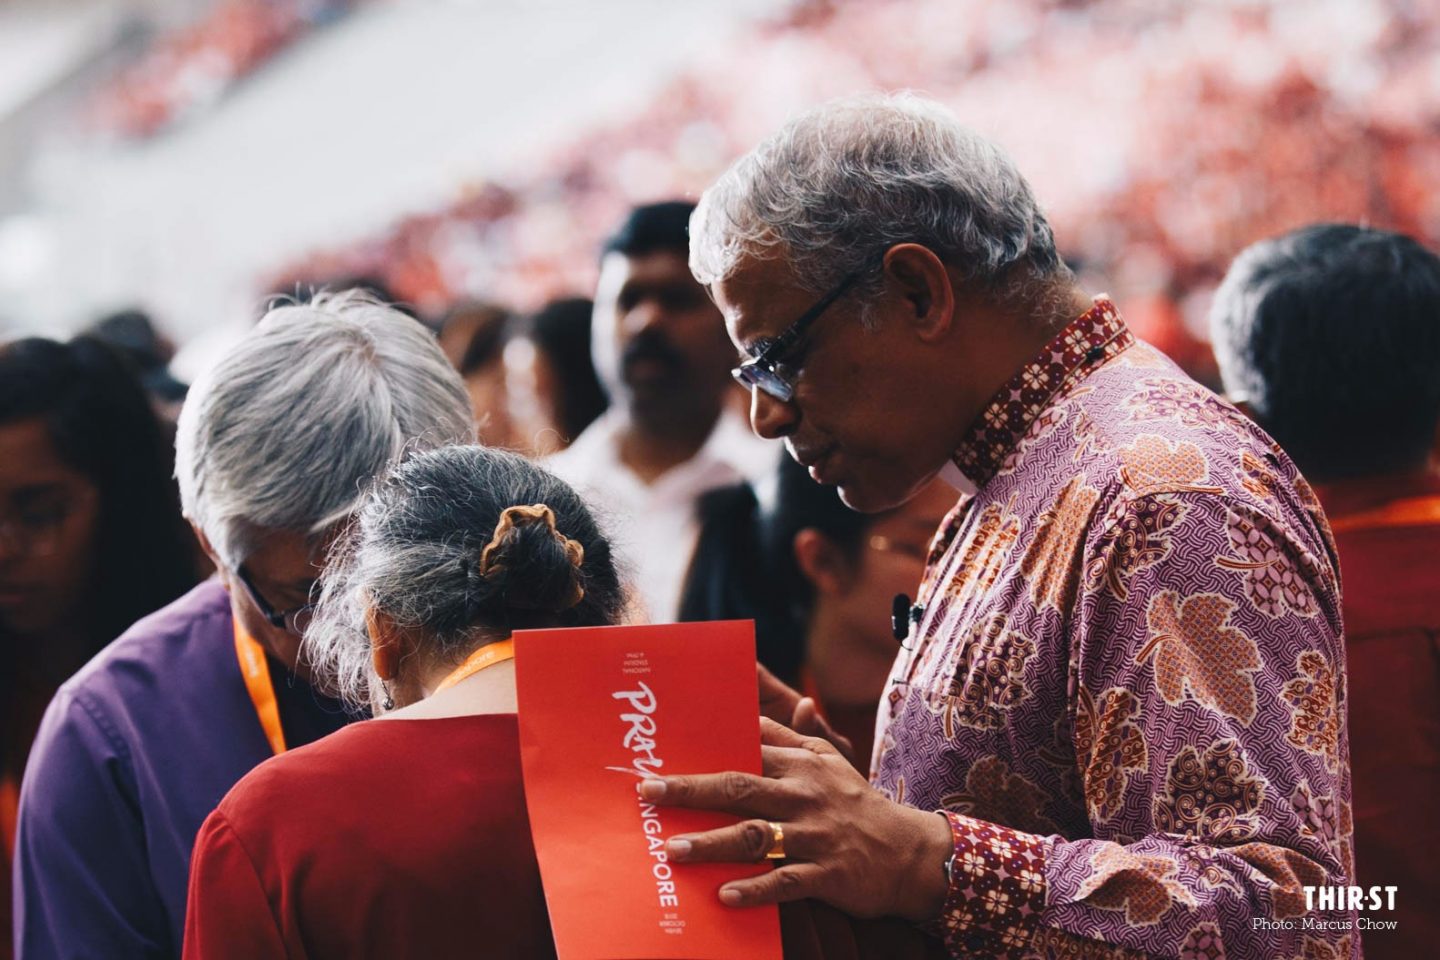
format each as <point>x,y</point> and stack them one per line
<point>599,709</point>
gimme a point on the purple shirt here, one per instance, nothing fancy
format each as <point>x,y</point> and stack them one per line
<point>134,752</point>
<point>1127,686</point>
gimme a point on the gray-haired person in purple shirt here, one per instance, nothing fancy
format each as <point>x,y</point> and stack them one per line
<point>273,449</point>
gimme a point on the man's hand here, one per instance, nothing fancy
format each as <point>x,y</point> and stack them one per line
<point>783,704</point>
<point>845,842</point>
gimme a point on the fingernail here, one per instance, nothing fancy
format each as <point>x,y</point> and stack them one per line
<point>651,788</point>
<point>730,896</point>
<point>678,848</point>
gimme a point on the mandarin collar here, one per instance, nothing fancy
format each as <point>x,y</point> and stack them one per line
<point>1081,346</point>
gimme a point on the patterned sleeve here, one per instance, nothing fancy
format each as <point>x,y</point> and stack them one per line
<point>1208,731</point>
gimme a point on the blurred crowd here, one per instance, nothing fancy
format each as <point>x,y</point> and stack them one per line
<point>319,529</point>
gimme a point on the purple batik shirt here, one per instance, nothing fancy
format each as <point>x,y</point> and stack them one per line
<point>134,752</point>
<point>1126,689</point>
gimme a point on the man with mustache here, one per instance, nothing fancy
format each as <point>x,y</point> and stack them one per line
<point>669,435</point>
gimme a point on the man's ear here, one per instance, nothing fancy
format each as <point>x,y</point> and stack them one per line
<point>925,286</point>
<point>821,562</point>
<point>209,549</point>
<point>387,646</point>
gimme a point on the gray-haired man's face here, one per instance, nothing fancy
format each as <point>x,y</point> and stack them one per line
<point>864,416</point>
<point>282,568</point>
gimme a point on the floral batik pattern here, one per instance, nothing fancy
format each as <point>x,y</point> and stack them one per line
<point>1256,477</point>
<point>1088,436</point>
<point>1110,748</point>
<point>1144,887</point>
<point>989,676</point>
<point>1275,582</point>
<point>1211,796</point>
<point>1202,860</point>
<point>985,554</point>
<point>1091,340</point>
<point>1184,401</point>
<point>1203,943</point>
<point>1152,464</point>
<point>1198,654</point>
<point>1052,564</point>
<point>993,793</point>
<point>998,884</point>
<point>1128,662</point>
<point>1315,727</point>
<point>1328,820</point>
<point>1317,513</point>
<point>1284,875</point>
<point>1320,950</point>
<point>1135,537</point>
<point>1051,944</point>
<point>1047,421</point>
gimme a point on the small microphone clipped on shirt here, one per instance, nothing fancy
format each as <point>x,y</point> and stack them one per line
<point>902,615</point>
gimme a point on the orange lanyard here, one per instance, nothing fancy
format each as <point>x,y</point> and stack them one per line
<point>9,812</point>
<point>486,656</point>
<point>256,671</point>
<point>1411,512</point>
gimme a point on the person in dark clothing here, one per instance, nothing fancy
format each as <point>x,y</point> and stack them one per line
<point>91,536</point>
<point>818,579</point>
<point>1330,335</point>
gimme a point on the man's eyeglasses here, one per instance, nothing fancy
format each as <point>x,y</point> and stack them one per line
<point>294,620</point>
<point>764,371</point>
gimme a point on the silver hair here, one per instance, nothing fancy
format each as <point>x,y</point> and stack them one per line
<point>283,432</point>
<point>839,185</point>
<point>414,552</point>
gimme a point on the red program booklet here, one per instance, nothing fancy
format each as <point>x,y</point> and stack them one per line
<point>599,709</point>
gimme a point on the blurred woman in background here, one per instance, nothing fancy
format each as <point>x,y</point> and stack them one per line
<point>407,835</point>
<point>91,537</point>
<point>553,389</point>
<point>819,580</point>
<point>531,380</point>
<point>840,572</point>
<point>473,337</point>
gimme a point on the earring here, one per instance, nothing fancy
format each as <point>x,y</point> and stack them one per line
<point>389,702</point>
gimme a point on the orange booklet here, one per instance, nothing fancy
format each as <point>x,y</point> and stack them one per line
<point>599,709</point>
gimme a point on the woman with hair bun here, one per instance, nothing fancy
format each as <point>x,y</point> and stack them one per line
<point>407,836</point>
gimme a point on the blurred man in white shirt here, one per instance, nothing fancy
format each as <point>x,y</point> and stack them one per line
<point>671,433</point>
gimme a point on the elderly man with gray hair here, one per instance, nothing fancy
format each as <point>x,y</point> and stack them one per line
<point>1121,685</point>
<point>274,447</point>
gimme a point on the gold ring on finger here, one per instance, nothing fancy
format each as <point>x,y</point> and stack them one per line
<point>777,842</point>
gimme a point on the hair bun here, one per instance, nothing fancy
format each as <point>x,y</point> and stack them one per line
<point>536,567</point>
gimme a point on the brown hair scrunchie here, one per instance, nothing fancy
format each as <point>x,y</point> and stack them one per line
<point>492,561</point>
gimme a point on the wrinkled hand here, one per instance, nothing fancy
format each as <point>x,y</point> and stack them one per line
<point>845,842</point>
<point>783,704</point>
